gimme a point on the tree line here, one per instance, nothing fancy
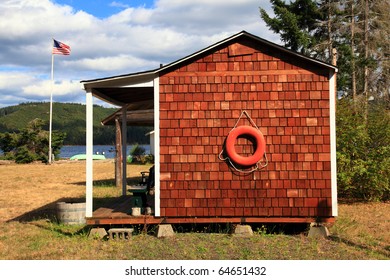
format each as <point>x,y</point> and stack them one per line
<point>24,130</point>
<point>68,118</point>
<point>354,35</point>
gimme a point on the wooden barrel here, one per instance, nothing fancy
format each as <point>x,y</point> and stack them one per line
<point>71,213</point>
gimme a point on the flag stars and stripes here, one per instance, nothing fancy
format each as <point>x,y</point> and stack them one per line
<point>60,48</point>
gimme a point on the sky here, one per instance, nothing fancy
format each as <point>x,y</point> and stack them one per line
<point>108,38</point>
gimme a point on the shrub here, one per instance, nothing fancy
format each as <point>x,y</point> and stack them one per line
<point>24,155</point>
<point>31,143</point>
<point>137,153</point>
<point>363,152</point>
<point>149,158</point>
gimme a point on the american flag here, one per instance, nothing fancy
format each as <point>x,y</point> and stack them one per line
<point>60,48</point>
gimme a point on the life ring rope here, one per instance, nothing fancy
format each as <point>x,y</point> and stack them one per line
<point>249,118</point>
<point>259,164</point>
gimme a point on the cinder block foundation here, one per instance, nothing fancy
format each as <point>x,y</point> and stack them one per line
<point>98,233</point>
<point>165,231</point>
<point>120,233</point>
<point>318,231</point>
<point>243,231</point>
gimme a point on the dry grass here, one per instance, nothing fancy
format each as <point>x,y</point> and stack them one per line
<point>364,226</point>
<point>28,188</point>
<point>29,192</point>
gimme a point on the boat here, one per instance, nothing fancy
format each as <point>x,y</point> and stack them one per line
<point>84,157</point>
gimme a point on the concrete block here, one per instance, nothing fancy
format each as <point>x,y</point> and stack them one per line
<point>97,233</point>
<point>243,231</point>
<point>165,231</point>
<point>120,233</point>
<point>318,231</point>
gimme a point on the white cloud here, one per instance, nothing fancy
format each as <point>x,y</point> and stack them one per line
<point>118,5</point>
<point>138,15</point>
<point>9,80</point>
<point>45,87</point>
<point>27,87</point>
<point>135,39</point>
<point>112,63</point>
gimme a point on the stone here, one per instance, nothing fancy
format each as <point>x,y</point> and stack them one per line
<point>165,231</point>
<point>318,231</point>
<point>243,231</point>
<point>97,233</point>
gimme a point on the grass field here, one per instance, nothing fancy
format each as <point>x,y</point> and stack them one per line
<point>27,230</point>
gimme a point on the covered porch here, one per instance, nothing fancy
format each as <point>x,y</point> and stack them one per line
<point>137,95</point>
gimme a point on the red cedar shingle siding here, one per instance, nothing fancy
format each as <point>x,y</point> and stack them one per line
<point>200,102</point>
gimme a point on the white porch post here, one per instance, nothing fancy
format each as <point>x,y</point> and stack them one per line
<point>89,151</point>
<point>156,87</point>
<point>333,159</point>
<point>124,149</point>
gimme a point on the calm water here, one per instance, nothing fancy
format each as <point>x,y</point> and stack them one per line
<point>108,151</point>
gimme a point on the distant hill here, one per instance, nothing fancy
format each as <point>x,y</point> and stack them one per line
<point>69,118</point>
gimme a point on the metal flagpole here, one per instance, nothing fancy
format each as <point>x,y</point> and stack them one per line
<point>51,105</point>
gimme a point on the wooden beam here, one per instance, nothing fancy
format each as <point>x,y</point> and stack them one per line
<point>156,106</point>
<point>106,98</point>
<point>89,152</point>
<point>133,117</point>
<point>142,220</point>
<point>124,151</point>
<point>118,153</point>
<point>333,158</point>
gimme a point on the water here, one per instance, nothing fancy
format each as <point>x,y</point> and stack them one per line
<point>107,150</point>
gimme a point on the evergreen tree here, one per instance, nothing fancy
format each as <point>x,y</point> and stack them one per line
<point>295,22</point>
<point>360,31</point>
<point>31,143</point>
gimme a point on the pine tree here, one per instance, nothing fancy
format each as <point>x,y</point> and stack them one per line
<point>295,22</point>
<point>358,29</point>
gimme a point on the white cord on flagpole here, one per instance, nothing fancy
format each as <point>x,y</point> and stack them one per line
<point>51,105</point>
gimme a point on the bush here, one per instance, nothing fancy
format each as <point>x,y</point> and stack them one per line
<point>31,143</point>
<point>24,155</point>
<point>363,152</point>
<point>149,158</point>
<point>137,153</point>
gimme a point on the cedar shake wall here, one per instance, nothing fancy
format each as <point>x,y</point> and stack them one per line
<point>200,102</point>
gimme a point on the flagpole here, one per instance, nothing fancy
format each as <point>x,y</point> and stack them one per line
<point>58,48</point>
<point>51,105</point>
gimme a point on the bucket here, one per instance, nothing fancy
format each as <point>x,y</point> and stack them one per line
<point>71,213</point>
<point>136,211</point>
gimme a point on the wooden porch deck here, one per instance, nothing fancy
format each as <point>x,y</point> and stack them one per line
<point>118,212</point>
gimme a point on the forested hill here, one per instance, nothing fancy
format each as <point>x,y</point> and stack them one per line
<point>69,118</point>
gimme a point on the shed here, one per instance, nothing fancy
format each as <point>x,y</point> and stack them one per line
<point>194,104</point>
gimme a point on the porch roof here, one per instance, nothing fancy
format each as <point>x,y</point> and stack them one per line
<point>133,90</point>
<point>134,117</point>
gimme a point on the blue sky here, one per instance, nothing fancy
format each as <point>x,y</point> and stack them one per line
<point>103,8</point>
<point>108,38</point>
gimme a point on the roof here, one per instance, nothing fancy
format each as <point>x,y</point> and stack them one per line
<point>115,89</point>
<point>251,36</point>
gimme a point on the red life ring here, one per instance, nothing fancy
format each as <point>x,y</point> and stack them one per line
<point>251,132</point>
